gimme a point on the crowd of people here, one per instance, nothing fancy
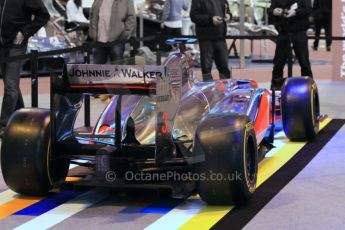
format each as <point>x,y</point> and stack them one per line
<point>114,21</point>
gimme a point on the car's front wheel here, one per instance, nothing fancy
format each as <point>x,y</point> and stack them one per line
<point>300,108</point>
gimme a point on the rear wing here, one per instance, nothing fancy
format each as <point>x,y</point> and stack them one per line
<point>163,81</point>
<point>111,79</point>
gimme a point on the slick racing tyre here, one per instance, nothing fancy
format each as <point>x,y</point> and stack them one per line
<point>228,172</point>
<point>27,163</point>
<point>300,108</point>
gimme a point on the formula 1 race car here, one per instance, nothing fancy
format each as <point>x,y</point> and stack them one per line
<point>162,129</point>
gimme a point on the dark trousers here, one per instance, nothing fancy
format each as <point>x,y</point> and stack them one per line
<point>300,47</point>
<point>326,23</point>
<point>168,32</point>
<point>10,72</point>
<point>214,50</point>
<point>114,53</point>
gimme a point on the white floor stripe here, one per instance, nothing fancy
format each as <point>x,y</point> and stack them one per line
<point>187,210</point>
<point>71,166</point>
<point>7,196</point>
<point>66,210</point>
<point>178,216</point>
<point>279,141</point>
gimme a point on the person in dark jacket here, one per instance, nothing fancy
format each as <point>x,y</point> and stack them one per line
<point>322,15</point>
<point>210,18</point>
<point>19,20</point>
<point>291,18</point>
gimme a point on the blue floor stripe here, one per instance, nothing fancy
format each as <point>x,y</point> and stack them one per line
<point>278,126</point>
<point>52,201</point>
<point>161,206</point>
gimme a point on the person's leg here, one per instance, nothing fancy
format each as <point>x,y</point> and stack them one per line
<point>116,52</point>
<point>100,55</point>
<point>177,32</point>
<point>279,61</point>
<point>12,99</point>
<point>174,33</point>
<point>300,46</point>
<point>221,59</point>
<point>206,59</point>
<point>166,33</point>
<point>328,31</point>
<point>317,34</point>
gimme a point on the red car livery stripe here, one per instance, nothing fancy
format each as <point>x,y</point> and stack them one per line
<point>262,119</point>
<point>147,87</point>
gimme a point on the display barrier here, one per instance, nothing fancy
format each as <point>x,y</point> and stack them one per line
<point>86,49</point>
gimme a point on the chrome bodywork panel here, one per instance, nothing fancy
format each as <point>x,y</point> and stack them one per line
<point>197,100</point>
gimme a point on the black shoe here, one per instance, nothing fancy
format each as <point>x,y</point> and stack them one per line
<point>314,47</point>
<point>328,48</point>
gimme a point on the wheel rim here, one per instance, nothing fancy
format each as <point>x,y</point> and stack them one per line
<point>49,160</point>
<point>250,162</point>
<point>315,107</point>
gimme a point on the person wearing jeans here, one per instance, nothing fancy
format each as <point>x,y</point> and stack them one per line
<point>210,18</point>
<point>114,52</point>
<point>13,99</point>
<point>19,20</point>
<point>111,21</point>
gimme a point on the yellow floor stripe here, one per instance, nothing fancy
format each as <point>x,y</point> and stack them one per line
<point>20,202</point>
<point>210,215</point>
<point>72,179</point>
<point>271,164</point>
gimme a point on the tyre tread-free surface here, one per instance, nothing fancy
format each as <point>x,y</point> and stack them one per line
<point>300,108</point>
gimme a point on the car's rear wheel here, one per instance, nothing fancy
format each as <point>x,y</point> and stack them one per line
<point>228,173</point>
<point>300,108</point>
<point>27,163</point>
